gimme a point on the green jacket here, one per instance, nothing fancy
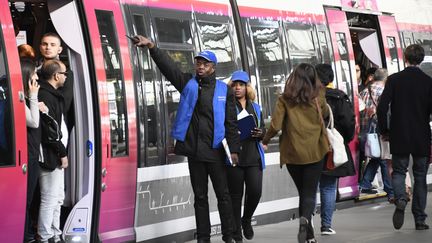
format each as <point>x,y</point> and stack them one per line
<point>304,139</point>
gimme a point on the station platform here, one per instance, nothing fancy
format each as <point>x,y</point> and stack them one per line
<point>371,222</point>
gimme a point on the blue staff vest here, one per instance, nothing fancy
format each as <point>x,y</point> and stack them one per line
<point>188,100</point>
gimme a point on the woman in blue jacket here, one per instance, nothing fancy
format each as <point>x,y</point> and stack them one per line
<point>251,159</point>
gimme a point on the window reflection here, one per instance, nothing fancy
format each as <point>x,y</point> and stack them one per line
<point>215,37</point>
<point>115,84</point>
<point>345,84</point>
<point>301,45</point>
<point>6,133</point>
<point>270,65</point>
<point>184,60</point>
<point>325,51</point>
<point>173,30</point>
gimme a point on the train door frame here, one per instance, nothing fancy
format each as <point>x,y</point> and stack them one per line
<point>117,193</point>
<point>13,176</point>
<point>392,48</point>
<point>338,24</point>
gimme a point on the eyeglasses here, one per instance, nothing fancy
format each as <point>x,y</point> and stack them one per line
<point>64,73</point>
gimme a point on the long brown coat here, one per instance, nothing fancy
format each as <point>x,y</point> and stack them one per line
<point>303,139</point>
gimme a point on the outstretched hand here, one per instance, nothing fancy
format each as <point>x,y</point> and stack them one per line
<point>142,41</point>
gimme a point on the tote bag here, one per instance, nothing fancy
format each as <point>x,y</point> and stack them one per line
<point>372,145</point>
<point>336,140</point>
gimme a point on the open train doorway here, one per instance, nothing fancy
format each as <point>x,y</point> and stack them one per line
<point>32,19</point>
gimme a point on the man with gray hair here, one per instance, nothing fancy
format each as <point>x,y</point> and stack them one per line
<point>371,96</point>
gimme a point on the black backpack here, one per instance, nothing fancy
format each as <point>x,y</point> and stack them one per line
<point>343,113</point>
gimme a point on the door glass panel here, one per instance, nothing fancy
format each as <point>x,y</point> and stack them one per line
<point>173,30</point>
<point>344,68</point>
<point>149,104</point>
<point>115,83</point>
<point>325,52</point>
<point>393,65</point>
<point>184,60</point>
<point>7,148</point>
<point>270,66</point>
<point>215,37</point>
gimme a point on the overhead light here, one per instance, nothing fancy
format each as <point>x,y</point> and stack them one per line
<point>20,6</point>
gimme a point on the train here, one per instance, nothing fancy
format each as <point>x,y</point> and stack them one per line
<point>124,182</point>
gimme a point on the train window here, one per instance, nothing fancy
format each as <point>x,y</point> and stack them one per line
<point>324,47</point>
<point>173,30</point>
<point>271,66</point>
<point>301,45</point>
<point>345,84</point>
<point>184,60</point>
<point>393,66</point>
<point>6,142</point>
<point>115,83</point>
<point>216,37</point>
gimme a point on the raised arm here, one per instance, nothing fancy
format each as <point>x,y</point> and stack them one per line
<point>164,62</point>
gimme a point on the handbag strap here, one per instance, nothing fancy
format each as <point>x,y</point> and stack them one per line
<point>319,112</point>
<point>331,120</point>
<point>370,95</point>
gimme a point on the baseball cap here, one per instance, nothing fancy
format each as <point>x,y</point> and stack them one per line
<point>241,76</point>
<point>208,55</point>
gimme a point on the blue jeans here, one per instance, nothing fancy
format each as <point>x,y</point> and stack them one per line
<point>327,187</point>
<point>420,168</point>
<point>370,172</point>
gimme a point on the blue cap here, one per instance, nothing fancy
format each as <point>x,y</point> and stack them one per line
<point>241,76</point>
<point>208,55</point>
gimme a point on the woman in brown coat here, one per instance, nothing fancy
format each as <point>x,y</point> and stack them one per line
<point>303,143</point>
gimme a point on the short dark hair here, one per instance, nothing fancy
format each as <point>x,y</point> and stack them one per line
<point>49,68</point>
<point>52,34</point>
<point>414,54</point>
<point>325,73</point>
<point>371,71</point>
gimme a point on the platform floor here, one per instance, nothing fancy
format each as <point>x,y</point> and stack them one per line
<point>362,224</point>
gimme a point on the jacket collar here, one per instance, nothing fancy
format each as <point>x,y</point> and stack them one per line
<point>209,80</point>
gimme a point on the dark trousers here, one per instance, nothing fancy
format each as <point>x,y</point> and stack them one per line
<point>32,181</point>
<point>199,173</point>
<point>306,178</point>
<point>238,177</point>
<point>420,168</point>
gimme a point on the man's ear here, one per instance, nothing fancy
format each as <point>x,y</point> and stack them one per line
<point>60,50</point>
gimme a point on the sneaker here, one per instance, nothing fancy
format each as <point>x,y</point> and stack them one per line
<point>421,226</point>
<point>399,214</point>
<point>313,240</point>
<point>368,191</point>
<point>247,229</point>
<point>327,231</point>
<point>302,234</point>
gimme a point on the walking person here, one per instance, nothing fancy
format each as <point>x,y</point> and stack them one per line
<point>371,96</point>
<point>249,171</point>
<point>299,114</point>
<point>407,95</point>
<point>54,154</point>
<point>344,123</point>
<point>205,116</point>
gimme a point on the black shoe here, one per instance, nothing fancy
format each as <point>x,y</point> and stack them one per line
<point>368,191</point>
<point>399,214</point>
<point>302,234</point>
<point>247,229</point>
<point>421,226</point>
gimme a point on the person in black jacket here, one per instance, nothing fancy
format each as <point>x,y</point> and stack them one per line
<point>54,155</point>
<point>344,122</point>
<point>205,116</point>
<point>408,95</point>
<point>249,171</point>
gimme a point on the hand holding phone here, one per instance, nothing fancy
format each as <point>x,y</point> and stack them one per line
<point>132,38</point>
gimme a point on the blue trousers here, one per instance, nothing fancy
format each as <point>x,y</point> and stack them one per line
<point>327,187</point>
<point>370,172</point>
<point>420,168</point>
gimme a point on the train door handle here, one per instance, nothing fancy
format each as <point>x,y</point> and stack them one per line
<point>24,168</point>
<point>104,172</point>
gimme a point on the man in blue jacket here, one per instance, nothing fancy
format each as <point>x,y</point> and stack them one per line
<point>206,115</point>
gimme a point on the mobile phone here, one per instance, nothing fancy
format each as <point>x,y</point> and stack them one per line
<point>131,38</point>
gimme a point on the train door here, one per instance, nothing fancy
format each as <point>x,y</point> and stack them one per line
<point>344,59</point>
<point>117,113</point>
<point>13,151</point>
<point>391,43</point>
